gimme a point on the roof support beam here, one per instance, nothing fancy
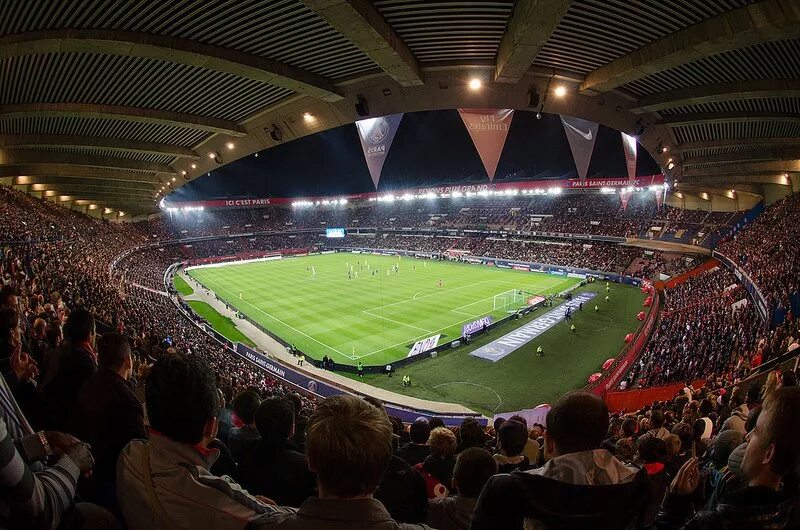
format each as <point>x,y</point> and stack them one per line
<point>61,170</point>
<point>86,183</point>
<point>116,112</point>
<point>15,157</point>
<point>98,194</point>
<point>787,141</point>
<point>747,156</point>
<point>735,179</point>
<point>702,118</point>
<point>175,50</point>
<point>738,168</point>
<point>27,141</point>
<point>722,191</point>
<point>531,24</point>
<point>361,23</point>
<point>736,91</point>
<point>766,21</point>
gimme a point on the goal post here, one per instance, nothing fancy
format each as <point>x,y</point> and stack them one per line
<point>510,300</point>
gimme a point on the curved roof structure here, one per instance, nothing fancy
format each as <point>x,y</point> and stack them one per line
<point>116,106</point>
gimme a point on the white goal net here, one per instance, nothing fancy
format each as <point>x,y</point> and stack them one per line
<point>509,300</point>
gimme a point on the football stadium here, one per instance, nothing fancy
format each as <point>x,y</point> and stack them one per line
<point>387,264</point>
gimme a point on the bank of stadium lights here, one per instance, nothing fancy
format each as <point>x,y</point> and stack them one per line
<point>607,190</point>
<point>323,202</point>
<point>554,191</point>
<point>181,209</point>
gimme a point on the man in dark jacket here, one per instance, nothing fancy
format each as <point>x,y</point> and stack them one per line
<point>771,465</point>
<point>270,466</point>
<point>402,488</point>
<point>245,405</point>
<point>579,487</point>
<point>417,450</point>
<point>109,415</point>
<point>73,363</point>
<point>349,449</point>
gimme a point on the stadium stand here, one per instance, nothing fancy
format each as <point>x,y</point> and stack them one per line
<point>651,465</point>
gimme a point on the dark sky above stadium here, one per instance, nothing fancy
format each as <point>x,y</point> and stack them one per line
<point>430,148</point>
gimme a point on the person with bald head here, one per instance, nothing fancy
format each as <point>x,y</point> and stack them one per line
<point>580,485</point>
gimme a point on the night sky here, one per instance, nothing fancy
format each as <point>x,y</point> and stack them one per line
<point>430,148</point>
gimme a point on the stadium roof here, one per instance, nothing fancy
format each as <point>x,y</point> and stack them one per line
<point>107,105</point>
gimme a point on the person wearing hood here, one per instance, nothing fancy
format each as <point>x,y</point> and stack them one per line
<point>580,486</point>
<point>738,415</point>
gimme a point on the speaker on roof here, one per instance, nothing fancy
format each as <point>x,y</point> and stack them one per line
<point>362,109</point>
<point>276,133</point>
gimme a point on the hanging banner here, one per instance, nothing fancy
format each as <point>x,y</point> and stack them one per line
<point>629,146</point>
<point>488,129</point>
<point>376,135</point>
<point>624,196</point>
<point>581,135</point>
<point>659,198</point>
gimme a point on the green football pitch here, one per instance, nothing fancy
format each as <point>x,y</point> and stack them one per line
<point>376,318</point>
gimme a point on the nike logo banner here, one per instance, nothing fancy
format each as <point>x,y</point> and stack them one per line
<point>581,135</point>
<point>376,135</point>
<point>488,129</point>
<point>629,146</point>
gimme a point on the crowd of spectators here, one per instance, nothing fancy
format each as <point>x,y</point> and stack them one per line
<point>709,327</point>
<point>768,252</point>
<point>582,213</point>
<point>72,425</point>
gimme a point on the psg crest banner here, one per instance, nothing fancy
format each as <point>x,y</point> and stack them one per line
<point>376,135</point>
<point>624,197</point>
<point>488,129</point>
<point>581,135</point>
<point>629,146</point>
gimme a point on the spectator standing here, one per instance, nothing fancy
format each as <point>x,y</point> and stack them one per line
<point>474,467</point>
<point>437,469</point>
<point>511,441</point>
<point>271,466</point>
<point>349,448</point>
<point>73,364</point>
<point>109,415</point>
<point>166,479</point>
<point>245,405</point>
<point>417,450</point>
<point>580,486</point>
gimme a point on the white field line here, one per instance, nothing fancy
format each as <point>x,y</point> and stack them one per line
<point>367,311</point>
<point>432,294</point>
<point>499,399</point>
<point>443,328</point>
<point>465,313</point>
<point>406,341</point>
<point>281,321</point>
